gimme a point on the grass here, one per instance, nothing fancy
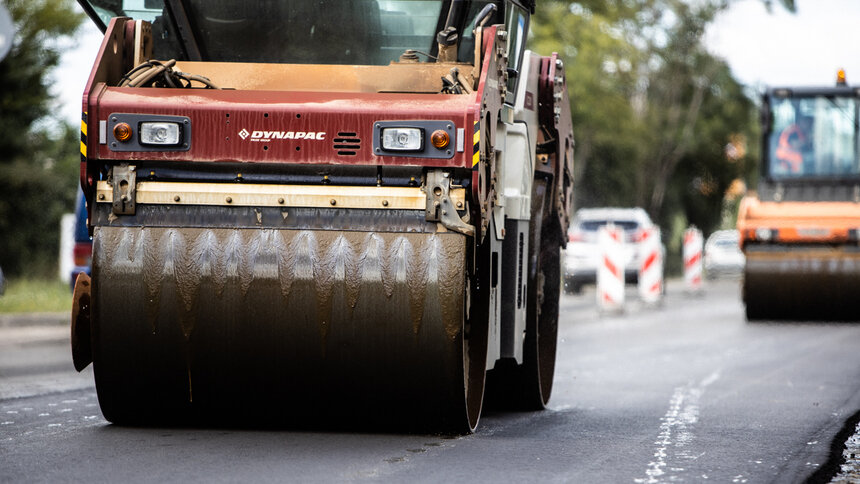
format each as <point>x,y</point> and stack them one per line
<point>36,296</point>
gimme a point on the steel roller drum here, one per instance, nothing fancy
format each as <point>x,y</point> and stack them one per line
<point>302,327</point>
<point>819,283</point>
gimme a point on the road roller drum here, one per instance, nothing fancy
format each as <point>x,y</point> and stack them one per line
<point>811,283</point>
<point>282,323</point>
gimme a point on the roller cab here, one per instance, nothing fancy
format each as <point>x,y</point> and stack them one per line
<point>800,231</point>
<point>341,212</point>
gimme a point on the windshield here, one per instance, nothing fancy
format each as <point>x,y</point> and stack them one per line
<point>726,243</point>
<point>352,32</point>
<point>814,136</point>
<point>593,225</point>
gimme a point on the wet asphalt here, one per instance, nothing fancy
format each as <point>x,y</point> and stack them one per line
<point>685,392</point>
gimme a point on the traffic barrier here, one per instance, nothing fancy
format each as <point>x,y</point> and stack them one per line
<point>693,242</point>
<point>650,266</point>
<point>610,271</point>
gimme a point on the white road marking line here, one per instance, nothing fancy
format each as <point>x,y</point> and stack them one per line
<point>676,432</point>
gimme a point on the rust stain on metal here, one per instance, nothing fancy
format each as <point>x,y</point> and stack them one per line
<point>186,277</point>
<point>286,259</point>
<point>346,267</point>
<point>153,275</point>
<point>237,260</point>
<point>451,283</point>
<point>390,268</point>
<point>323,281</point>
<point>416,275</point>
<point>370,266</point>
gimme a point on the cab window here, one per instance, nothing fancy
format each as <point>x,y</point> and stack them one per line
<point>516,23</point>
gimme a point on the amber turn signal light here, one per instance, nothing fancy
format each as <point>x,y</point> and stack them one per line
<point>122,131</point>
<point>440,139</point>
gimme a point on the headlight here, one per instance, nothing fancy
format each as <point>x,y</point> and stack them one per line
<point>403,139</point>
<point>412,138</point>
<point>159,133</point>
<point>145,132</point>
<point>764,234</point>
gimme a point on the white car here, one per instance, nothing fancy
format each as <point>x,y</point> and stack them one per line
<point>723,254</point>
<point>582,255</point>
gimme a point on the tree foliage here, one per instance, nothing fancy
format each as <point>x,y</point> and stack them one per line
<point>788,4</point>
<point>659,121</point>
<point>38,165</point>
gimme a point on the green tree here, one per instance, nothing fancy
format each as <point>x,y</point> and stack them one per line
<point>684,76</point>
<point>653,110</point>
<point>788,4</point>
<point>601,66</point>
<point>38,160</point>
<point>37,189</point>
<point>708,168</point>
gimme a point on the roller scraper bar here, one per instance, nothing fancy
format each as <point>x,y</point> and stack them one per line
<point>264,195</point>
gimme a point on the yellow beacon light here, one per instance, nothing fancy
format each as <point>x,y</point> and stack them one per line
<point>122,131</point>
<point>440,139</point>
<point>840,77</point>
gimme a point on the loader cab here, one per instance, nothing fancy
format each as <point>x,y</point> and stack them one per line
<point>345,32</point>
<point>811,143</point>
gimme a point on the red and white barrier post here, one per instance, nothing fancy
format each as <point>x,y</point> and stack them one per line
<point>610,271</point>
<point>650,266</point>
<point>693,242</point>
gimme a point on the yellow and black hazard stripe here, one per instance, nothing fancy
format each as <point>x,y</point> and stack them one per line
<point>83,137</point>
<point>476,140</point>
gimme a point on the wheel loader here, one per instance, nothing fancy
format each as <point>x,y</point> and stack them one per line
<point>799,233</point>
<point>321,212</point>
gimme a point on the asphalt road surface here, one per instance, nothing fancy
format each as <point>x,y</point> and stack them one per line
<point>686,392</point>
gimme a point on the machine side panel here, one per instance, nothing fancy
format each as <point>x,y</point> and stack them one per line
<point>286,127</point>
<point>555,118</point>
<point>799,222</point>
<point>108,68</point>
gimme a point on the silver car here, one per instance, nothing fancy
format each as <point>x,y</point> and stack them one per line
<point>723,256</point>
<point>582,255</point>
